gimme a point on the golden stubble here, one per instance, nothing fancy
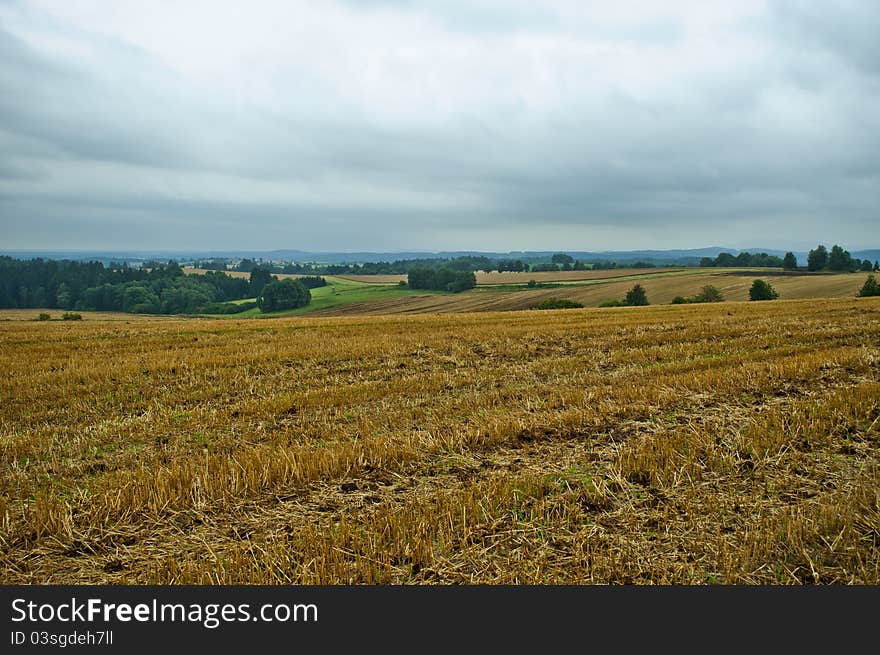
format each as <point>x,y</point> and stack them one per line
<point>727,443</point>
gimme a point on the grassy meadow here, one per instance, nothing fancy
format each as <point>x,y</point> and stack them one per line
<point>697,444</point>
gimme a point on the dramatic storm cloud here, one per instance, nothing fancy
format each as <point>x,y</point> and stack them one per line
<point>434,125</point>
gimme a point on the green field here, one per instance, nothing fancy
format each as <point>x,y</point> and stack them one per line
<point>340,292</point>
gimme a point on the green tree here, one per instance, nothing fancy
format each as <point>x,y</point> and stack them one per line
<point>260,277</point>
<point>186,295</point>
<point>64,296</point>
<point>441,279</point>
<point>817,259</point>
<point>139,300</point>
<point>789,262</point>
<point>463,281</point>
<point>839,259</point>
<point>636,296</point>
<point>246,265</point>
<point>866,266</point>
<point>762,290</point>
<point>870,288</point>
<point>562,258</point>
<point>39,297</point>
<point>420,277</point>
<point>283,294</point>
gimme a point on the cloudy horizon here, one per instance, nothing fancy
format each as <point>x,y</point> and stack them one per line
<point>390,125</point>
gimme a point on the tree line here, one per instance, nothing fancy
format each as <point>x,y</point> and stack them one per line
<point>818,259</point>
<point>469,263</point>
<point>838,259</point>
<point>161,288</point>
<point>756,260</point>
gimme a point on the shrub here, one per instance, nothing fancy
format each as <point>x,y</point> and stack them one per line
<point>611,303</point>
<point>680,300</point>
<point>43,317</point>
<point>709,294</point>
<point>870,288</point>
<point>71,316</point>
<point>532,284</point>
<point>762,290</point>
<point>403,284</point>
<point>636,296</point>
<point>559,303</point>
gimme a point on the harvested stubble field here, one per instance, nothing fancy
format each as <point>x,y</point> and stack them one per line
<point>661,288</point>
<point>510,277</point>
<point>727,443</point>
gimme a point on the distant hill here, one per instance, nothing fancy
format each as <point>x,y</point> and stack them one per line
<point>683,257</point>
<point>873,255</point>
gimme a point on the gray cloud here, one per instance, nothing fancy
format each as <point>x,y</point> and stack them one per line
<point>476,125</point>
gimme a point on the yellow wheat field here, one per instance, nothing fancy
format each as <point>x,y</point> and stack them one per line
<point>729,443</point>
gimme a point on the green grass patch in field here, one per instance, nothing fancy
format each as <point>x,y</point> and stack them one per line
<point>340,291</point>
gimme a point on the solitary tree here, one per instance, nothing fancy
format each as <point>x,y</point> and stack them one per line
<point>636,296</point>
<point>762,290</point>
<point>789,262</point>
<point>817,259</point>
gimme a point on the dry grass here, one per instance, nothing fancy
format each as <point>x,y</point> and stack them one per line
<point>55,315</point>
<point>730,443</point>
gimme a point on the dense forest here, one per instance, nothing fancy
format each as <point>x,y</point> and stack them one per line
<point>161,289</point>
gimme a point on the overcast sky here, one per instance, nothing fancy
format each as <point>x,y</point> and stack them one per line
<point>468,124</point>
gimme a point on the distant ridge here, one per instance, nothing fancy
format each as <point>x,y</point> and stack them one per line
<point>690,256</point>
